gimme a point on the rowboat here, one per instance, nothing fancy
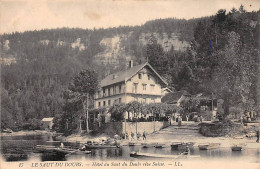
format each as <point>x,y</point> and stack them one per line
<point>131,144</point>
<point>101,145</point>
<point>149,155</point>
<point>208,146</point>
<point>53,149</point>
<point>181,145</point>
<point>15,156</point>
<point>157,145</point>
<point>174,145</point>
<point>236,148</point>
<point>145,145</point>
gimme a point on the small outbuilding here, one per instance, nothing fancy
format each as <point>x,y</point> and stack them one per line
<point>47,123</point>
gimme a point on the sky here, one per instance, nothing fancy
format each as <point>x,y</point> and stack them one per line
<point>26,15</point>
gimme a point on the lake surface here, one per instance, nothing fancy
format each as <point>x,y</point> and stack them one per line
<point>23,149</point>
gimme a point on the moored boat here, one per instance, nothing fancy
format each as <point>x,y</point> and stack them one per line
<point>131,144</point>
<point>174,145</point>
<point>158,145</point>
<point>15,156</point>
<point>237,148</point>
<point>103,145</point>
<point>208,146</point>
<point>53,149</point>
<point>146,145</point>
<point>181,145</point>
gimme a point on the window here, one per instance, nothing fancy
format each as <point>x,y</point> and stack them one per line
<point>144,87</point>
<point>140,76</point>
<point>149,77</point>
<point>104,92</point>
<point>109,102</point>
<point>104,103</point>
<point>99,94</point>
<point>152,87</point>
<point>108,91</point>
<point>144,100</point>
<point>135,87</point>
<point>119,88</point>
<point>120,100</point>
<point>99,104</point>
<point>114,90</point>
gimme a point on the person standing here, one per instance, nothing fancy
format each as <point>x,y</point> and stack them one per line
<point>257,136</point>
<point>179,121</point>
<point>138,136</point>
<point>144,135</point>
<point>241,119</point>
<point>187,151</point>
<point>132,135</point>
<point>61,145</point>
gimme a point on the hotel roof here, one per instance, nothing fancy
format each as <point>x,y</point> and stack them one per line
<point>123,76</point>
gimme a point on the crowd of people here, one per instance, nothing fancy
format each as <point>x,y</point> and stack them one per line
<point>134,136</point>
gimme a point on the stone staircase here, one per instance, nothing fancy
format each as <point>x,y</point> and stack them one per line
<point>186,131</point>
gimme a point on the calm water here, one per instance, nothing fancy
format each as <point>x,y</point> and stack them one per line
<point>23,149</point>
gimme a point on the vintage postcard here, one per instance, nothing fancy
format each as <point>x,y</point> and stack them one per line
<point>130,84</point>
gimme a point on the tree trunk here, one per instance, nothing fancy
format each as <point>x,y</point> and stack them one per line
<point>226,105</point>
<point>85,111</point>
<point>87,127</point>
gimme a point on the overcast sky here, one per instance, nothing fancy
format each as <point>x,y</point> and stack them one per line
<point>22,15</point>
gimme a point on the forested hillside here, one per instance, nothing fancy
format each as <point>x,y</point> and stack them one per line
<point>37,66</point>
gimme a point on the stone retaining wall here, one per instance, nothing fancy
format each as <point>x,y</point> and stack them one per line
<point>113,128</point>
<point>218,129</point>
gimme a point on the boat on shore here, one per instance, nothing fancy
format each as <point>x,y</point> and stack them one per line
<point>181,145</point>
<point>149,155</point>
<point>208,146</point>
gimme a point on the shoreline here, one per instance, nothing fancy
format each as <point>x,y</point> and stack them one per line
<point>28,133</point>
<point>155,137</point>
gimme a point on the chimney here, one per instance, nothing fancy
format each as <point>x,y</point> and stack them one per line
<point>131,63</point>
<point>114,76</point>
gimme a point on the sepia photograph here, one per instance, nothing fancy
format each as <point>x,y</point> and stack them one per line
<point>130,84</point>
